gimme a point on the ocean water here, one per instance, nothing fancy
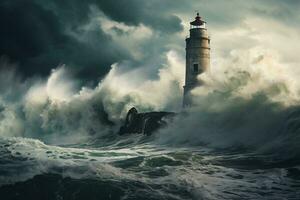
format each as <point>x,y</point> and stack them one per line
<point>139,167</point>
<point>229,146</point>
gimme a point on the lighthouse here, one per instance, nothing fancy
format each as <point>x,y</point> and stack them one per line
<point>197,57</point>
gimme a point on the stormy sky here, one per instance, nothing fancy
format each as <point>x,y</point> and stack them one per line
<point>89,36</point>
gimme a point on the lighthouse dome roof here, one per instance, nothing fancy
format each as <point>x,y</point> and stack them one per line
<point>198,21</point>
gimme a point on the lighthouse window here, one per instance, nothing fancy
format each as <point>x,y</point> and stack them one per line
<point>196,68</point>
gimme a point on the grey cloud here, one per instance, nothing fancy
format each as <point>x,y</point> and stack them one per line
<point>41,34</point>
<point>134,12</point>
<point>37,34</point>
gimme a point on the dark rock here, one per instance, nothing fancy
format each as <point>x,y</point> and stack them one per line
<point>144,123</point>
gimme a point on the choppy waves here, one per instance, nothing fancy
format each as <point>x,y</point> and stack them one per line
<point>240,140</point>
<point>136,169</point>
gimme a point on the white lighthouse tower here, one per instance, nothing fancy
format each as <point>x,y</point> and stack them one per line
<point>197,57</point>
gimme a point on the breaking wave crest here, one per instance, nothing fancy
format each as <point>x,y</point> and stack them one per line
<point>241,104</point>
<point>239,141</point>
<point>241,110</point>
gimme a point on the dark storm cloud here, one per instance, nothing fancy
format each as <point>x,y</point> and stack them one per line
<point>27,30</point>
<point>40,35</point>
<point>35,37</point>
<point>134,12</point>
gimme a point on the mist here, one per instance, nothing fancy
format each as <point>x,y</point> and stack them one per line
<point>58,109</point>
<point>251,101</point>
<point>248,95</point>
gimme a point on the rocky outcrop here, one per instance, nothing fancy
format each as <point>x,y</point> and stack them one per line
<point>144,123</point>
